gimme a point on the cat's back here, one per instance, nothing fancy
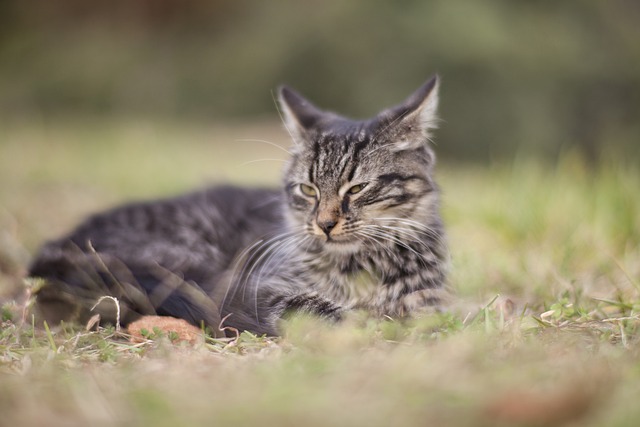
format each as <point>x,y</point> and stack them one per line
<point>219,219</point>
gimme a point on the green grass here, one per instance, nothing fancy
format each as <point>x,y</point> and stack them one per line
<point>545,262</point>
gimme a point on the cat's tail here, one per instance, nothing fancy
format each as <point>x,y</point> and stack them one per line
<point>73,283</point>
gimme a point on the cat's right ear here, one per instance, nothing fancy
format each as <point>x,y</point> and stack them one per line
<point>298,114</point>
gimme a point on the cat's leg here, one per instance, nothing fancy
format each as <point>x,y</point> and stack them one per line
<point>67,284</point>
<point>423,301</point>
<point>420,288</point>
<point>309,302</point>
<point>75,281</point>
<point>401,299</point>
<point>259,309</point>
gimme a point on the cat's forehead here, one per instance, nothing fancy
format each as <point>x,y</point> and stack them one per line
<point>331,159</point>
<point>354,138</point>
<point>338,150</point>
<point>343,136</point>
<point>336,145</point>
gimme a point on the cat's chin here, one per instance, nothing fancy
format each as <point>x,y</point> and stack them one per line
<point>342,246</point>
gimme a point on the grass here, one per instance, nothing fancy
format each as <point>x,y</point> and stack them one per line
<point>545,261</point>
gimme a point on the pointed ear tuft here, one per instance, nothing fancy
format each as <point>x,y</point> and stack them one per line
<point>424,102</point>
<point>417,112</point>
<point>298,114</point>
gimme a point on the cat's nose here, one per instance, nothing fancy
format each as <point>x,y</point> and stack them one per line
<point>327,225</point>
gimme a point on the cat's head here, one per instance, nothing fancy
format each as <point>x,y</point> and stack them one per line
<point>346,179</point>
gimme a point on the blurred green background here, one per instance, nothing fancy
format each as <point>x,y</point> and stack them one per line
<point>540,78</point>
<point>107,101</point>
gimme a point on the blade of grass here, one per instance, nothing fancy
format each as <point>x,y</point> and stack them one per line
<point>52,342</point>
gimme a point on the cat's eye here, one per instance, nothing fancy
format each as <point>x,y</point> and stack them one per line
<point>308,190</point>
<point>356,189</point>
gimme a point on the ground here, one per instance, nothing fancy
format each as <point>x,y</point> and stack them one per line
<point>545,261</point>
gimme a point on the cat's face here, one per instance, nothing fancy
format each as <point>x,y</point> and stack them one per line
<point>346,180</point>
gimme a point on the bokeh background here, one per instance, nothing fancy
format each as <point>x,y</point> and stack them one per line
<point>537,78</point>
<point>102,102</point>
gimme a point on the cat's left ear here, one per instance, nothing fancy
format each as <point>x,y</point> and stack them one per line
<point>417,114</point>
<point>298,114</point>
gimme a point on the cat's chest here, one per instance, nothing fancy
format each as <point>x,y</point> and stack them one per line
<point>350,282</point>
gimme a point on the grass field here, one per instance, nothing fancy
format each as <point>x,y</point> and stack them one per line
<point>545,332</point>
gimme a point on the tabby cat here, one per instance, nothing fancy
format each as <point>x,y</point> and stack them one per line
<point>356,224</point>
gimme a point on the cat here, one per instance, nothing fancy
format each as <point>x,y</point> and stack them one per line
<point>356,225</point>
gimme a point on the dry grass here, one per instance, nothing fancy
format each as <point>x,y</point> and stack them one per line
<point>559,244</point>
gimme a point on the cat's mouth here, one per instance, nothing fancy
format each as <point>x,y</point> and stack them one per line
<point>336,240</point>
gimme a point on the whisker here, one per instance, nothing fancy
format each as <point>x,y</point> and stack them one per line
<point>241,279</point>
<point>379,244</point>
<point>410,233</point>
<point>376,149</point>
<point>290,245</point>
<point>272,251</point>
<point>263,160</point>
<point>284,123</point>
<point>406,221</point>
<point>277,248</point>
<point>270,245</point>
<point>266,142</point>
<point>384,235</point>
<point>236,265</point>
<point>267,201</point>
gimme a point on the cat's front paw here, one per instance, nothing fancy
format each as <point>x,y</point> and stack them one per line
<point>314,304</point>
<point>424,301</point>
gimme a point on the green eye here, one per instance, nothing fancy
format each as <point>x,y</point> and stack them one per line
<point>308,190</point>
<point>356,189</point>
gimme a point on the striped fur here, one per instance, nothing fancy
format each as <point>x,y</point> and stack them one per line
<point>356,225</point>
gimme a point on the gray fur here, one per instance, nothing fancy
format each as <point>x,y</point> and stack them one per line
<point>356,225</point>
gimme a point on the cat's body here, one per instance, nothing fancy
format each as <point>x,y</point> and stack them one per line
<point>355,226</point>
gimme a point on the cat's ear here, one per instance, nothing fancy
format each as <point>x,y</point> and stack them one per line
<point>298,114</point>
<point>417,114</point>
